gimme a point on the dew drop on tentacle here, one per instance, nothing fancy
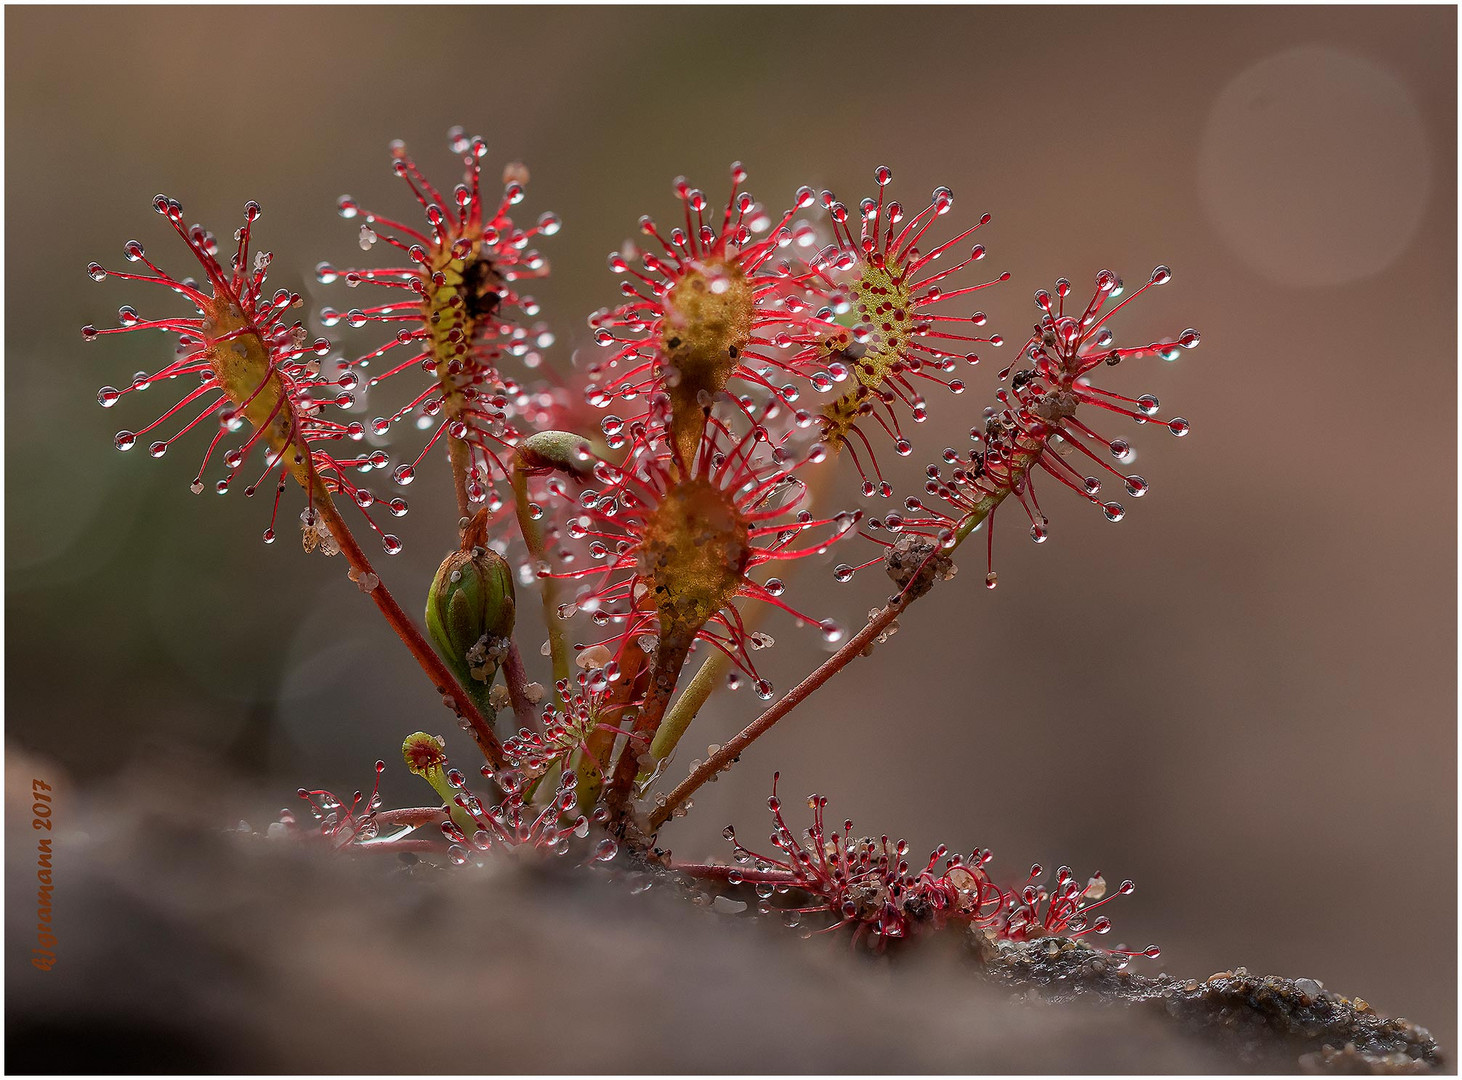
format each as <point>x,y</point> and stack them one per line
<point>1178,426</point>
<point>1113,511</point>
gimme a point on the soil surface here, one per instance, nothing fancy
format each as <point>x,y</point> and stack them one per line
<point>183,946</point>
<point>1267,1023</point>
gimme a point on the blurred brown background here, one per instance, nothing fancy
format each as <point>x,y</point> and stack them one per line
<point>1243,696</point>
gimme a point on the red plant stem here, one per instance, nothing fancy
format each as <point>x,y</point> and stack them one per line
<point>718,872</point>
<point>415,816</point>
<point>460,456</point>
<point>411,637</point>
<point>794,697</point>
<point>593,764</point>
<point>669,659</point>
<point>516,676</point>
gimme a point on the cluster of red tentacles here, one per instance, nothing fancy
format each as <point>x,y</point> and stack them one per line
<point>1036,426</point>
<point>248,366</point>
<point>673,541</point>
<point>871,885</point>
<point>457,289</point>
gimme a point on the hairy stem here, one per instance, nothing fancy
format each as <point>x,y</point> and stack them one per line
<point>411,637</point>
<point>687,428</point>
<point>669,659</point>
<point>415,816</point>
<point>516,677</point>
<point>600,744</point>
<point>718,872</point>
<point>460,455</point>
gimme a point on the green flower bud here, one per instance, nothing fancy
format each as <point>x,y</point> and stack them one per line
<point>470,608</point>
<point>555,451</point>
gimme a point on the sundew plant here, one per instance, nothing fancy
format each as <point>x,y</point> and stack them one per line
<point>652,503</point>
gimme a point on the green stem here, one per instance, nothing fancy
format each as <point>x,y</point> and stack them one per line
<point>678,718</point>
<point>481,693</point>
